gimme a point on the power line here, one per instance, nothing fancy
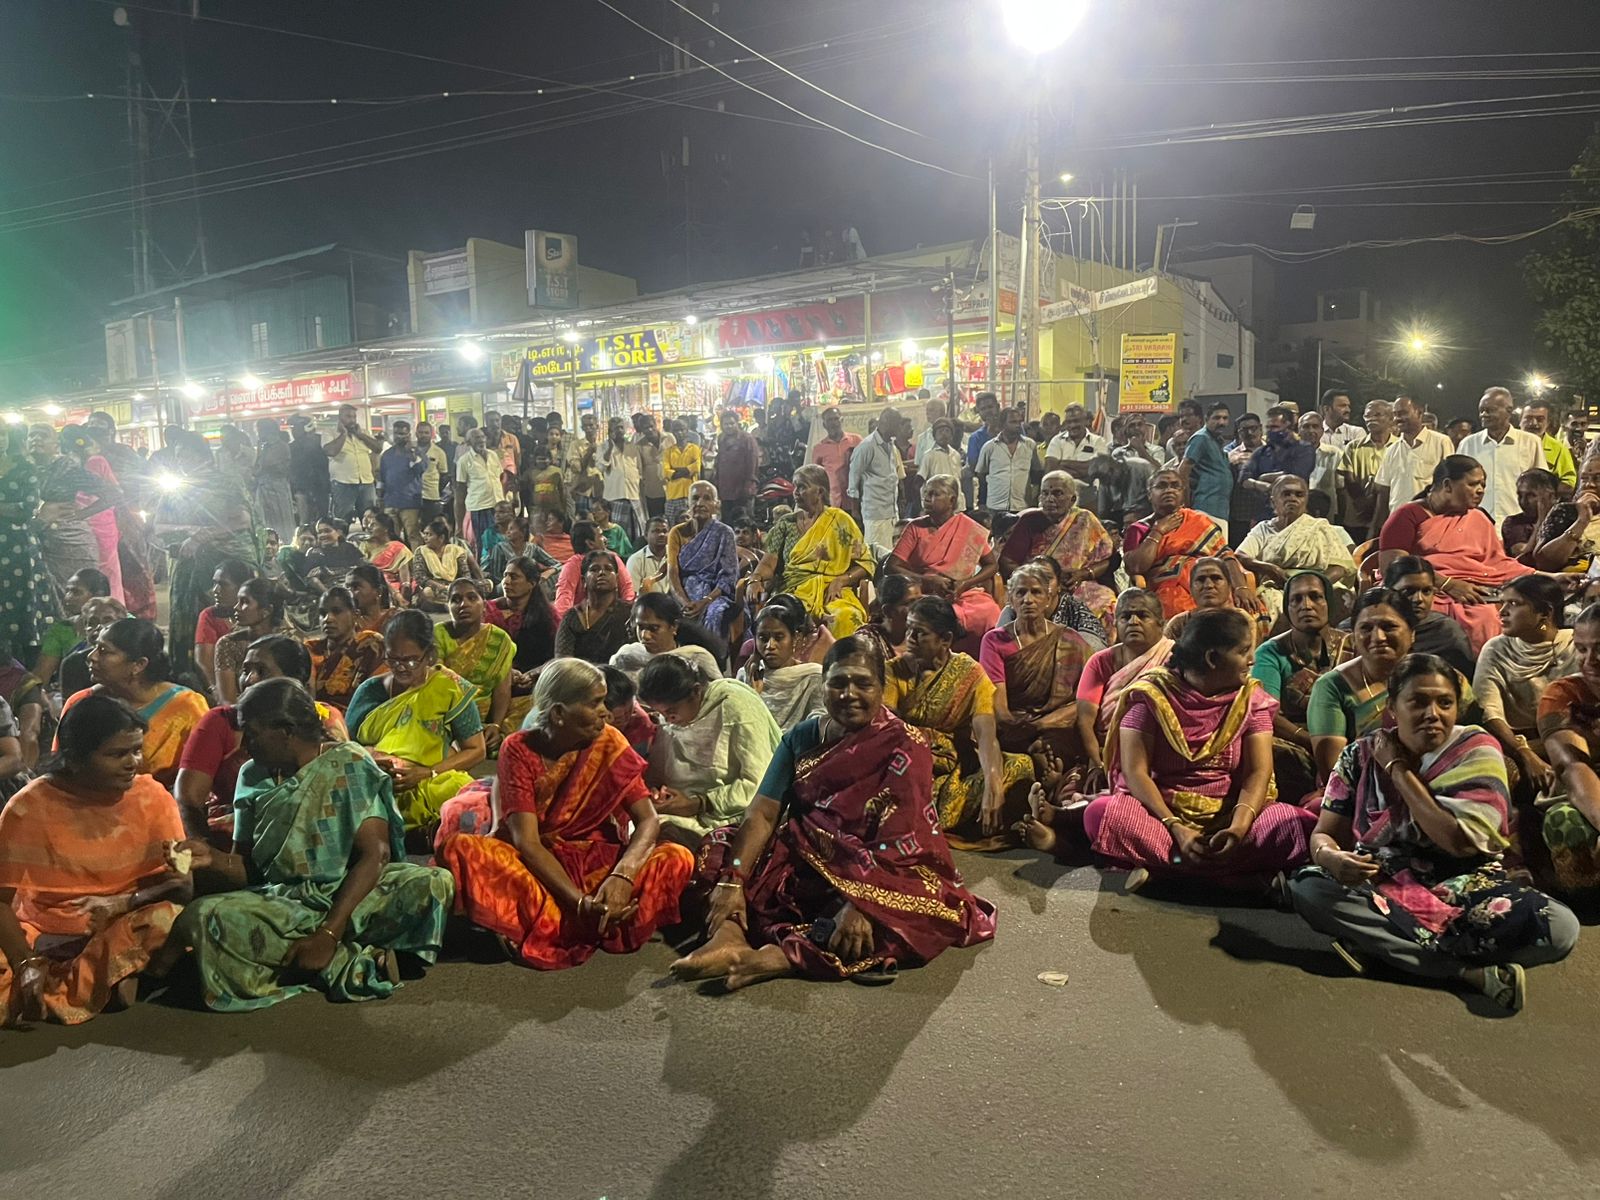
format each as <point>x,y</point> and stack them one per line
<point>814,87</point>
<point>784,104</point>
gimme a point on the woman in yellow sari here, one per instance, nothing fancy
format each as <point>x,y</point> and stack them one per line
<point>818,554</point>
<point>481,654</point>
<point>129,662</point>
<point>420,721</point>
<point>951,699</point>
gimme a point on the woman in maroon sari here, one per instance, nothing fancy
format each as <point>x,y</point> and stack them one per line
<point>838,870</point>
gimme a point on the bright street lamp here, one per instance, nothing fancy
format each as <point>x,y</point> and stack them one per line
<point>470,351</point>
<point>1537,384</point>
<point>1039,26</point>
<point>191,390</point>
<point>250,383</point>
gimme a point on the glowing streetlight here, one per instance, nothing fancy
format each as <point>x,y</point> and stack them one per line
<point>191,390</point>
<point>1040,26</point>
<point>470,351</point>
<point>569,336</point>
<point>167,481</point>
<point>1418,345</point>
<point>1066,177</point>
<point>14,418</point>
<point>908,348</point>
<point>691,319</point>
<point>251,383</point>
<point>1537,384</point>
<point>51,410</point>
<point>764,364</point>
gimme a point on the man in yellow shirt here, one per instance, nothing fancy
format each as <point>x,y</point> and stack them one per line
<point>680,467</point>
<point>1557,457</point>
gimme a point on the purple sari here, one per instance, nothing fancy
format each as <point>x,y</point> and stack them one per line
<point>709,561</point>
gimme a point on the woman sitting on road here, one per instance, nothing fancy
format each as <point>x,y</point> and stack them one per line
<point>1192,792</point>
<point>87,892</point>
<point>317,894</point>
<point>1517,667</point>
<point>258,612</point>
<point>572,583</point>
<point>128,662</point>
<point>1293,540</point>
<point>1349,700</point>
<point>1070,535</point>
<point>1166,547</point>
<point>345,655</point>
<point>791,689</point>
<point>573,865</point>
<point>597,627</point>
<point>1569,724</point>
<point>387,552</point>
<point>420,721</point>
<point>524,613</point>
<point>209,768</point>
<point>1211,589</point>
<point>375,602</point>
<point>950,556</point>
<point>481,654</point>
<point>664,627</point>
<point>711,750</point>
<point>1446,527</point>
<point>1141,646</point>
<point>216,622</point>
<point>816,553</point>
<point>439,562</point>
<point>332,558</point>
<point>1288,667</point>
<point>949,698</point>
<point>1406,854</point>
<point>890,608</point>
<point>1035,666</point>
<point>823,880</point>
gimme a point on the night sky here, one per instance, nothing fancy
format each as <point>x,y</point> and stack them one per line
<point>594,165</point>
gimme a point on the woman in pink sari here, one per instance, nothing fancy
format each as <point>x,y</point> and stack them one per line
<point>1141,645</point>
<point>1446,527</point>
<point>950,553</point>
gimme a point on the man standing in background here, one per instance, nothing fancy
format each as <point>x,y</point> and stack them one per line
<point>735,467</point>
<point>1557,458</point>
<point>350,465</point>
<point>400,470</point>
<point>876,469</point>
<point>1408,463</point>
<point>1358,467</point>
<point>619,465</point>
<point>308,472</point>
<point>832,454</point>
<point>1503,452</point>
<point>1205,469</point>
<point>1004,466</point>
<point>435,473</point>
<point>1338,431</point>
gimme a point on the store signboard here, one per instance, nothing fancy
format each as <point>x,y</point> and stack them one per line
<point>1149,372</point>
<point>315,390</point>
<point>442,273</point>
<point>637,350</point>
<point>427,373</point>
<point>552,265</point>
<point>895,315</point>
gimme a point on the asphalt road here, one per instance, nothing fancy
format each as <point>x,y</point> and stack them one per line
<point>1195,1051</point>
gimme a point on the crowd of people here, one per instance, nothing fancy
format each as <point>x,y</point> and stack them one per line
<point>569,691</point>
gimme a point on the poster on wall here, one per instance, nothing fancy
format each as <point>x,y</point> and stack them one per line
<point>1149,372</point>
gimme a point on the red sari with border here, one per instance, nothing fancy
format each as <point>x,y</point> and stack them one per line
<point>859,825</point>
<point>581,802</point>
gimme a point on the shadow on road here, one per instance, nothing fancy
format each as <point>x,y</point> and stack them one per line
<point>1340,1073</point>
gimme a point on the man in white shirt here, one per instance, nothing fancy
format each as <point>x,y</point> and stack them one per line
<point>619,466</point>
<point>478,486</point>
<point>876,470</point>
<point>945,458</point>
<point>1004,464</point>
<point>925,440</point>
<point>647,566</point>
<point>1408,463</point>
<point>1504,452</point>
<point>1074,450</point>
<point>1338,431</point>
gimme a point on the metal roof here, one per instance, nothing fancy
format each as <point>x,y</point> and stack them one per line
<point>265,264</point>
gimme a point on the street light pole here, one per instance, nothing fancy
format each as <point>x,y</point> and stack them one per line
<point>1034,250</point>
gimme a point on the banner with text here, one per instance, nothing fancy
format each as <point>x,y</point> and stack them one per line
<point>1149,372</point>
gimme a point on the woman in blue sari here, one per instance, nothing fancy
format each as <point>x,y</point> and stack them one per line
<point>323,898</point>
<point>703,562</point>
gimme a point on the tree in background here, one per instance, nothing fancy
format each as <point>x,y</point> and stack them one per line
<point>1564,278</point>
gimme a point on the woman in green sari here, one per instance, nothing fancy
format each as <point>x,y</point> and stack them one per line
<point>319,896</point>
<point>420,721</point>
<point>481,654</point>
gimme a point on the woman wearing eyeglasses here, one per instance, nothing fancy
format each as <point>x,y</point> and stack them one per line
<point>420,721</point>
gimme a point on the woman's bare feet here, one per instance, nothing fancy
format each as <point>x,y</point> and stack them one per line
<point>1038,827</point>
<point>757,966</point>
<point>716,958</point>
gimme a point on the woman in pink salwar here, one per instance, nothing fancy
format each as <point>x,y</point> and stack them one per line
<point>1192,793</point>
<point>1446,527</point>
<point>950,554</point>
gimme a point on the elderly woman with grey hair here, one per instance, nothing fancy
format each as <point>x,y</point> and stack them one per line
<point>1060,529</point>
<point>570,864</point>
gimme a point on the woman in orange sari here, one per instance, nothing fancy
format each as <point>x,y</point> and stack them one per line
<point>950,554</point>
<point>572,865</point>
<point>1165,546</point>
<point>129,662</point>
<point>87,894</point>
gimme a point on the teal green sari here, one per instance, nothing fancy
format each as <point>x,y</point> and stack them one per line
<point>300,834</point>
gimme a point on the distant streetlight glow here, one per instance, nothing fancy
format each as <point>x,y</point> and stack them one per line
<point>167,481</point>
<point>51,410</point>
<point>191,389</point>
<point>1537,384</point>
<point>250,383</point>
<point>1066,177</point>
<point>691,319</point>
<point>14,418</point>
<point>569,336</point>
<point>764,364</point>
<point>1040,26</point>
<point>908,348</point>
<point>470,351</point>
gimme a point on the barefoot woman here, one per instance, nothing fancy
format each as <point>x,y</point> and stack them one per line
<point>850,881</point>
